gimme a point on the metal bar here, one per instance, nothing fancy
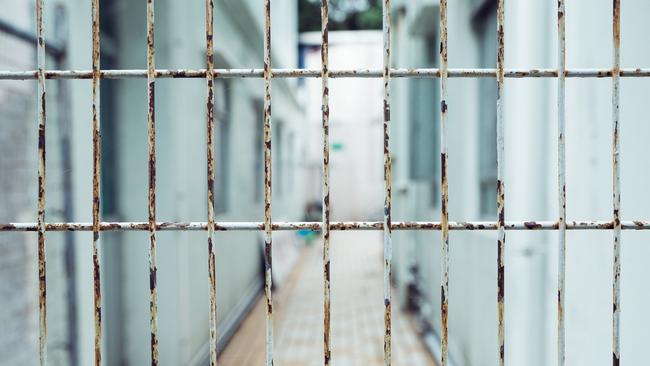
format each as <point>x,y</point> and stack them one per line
<point>316,73</point>
<point>388,249</point>
<point>616,296</point>
<point>327,349</point>
<point>96,177</point>
<point>444,278</point>
<point>209,49</point>
<point>336,225</point>
<point>42,296</point>
<point>561,162</point>
<point>501,233</point>
<point>268,227</point>
<point>151,119</point>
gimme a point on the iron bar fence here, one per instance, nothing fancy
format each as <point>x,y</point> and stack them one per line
<point>325,226</point>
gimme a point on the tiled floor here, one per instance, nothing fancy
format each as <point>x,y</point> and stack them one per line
<point>357,312</point>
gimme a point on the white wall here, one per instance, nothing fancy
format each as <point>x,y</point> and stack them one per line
<point>531,190</point>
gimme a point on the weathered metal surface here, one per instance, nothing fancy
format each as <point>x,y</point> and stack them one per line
<point>616,296</point>
<point>336,225</point>
<point>325,226</point>
<point>96,177</point>
<point>209,50</point>
<point>388,249</point>
<point>42,287</point>
<point>316,73</point>
<point>268,227</point>
<point>327,348</point>
<point>561,162</point>
<point>151,118</point>
<point>444,219</point>
<point>501,233</point>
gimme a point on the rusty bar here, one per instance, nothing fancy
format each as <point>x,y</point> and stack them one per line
<point>316,73</point>
<point>388,249</point>
<point>561,162</point>
<point>327,348</point>
<point>501,233</point>
<point>268,223</point>
<point>336,225</point>
<point>616,296</point>
<point>209,51</point>
<point>42,296</point>
<point>444,219</point>
<point>96,187</point>
<point>151,119</point>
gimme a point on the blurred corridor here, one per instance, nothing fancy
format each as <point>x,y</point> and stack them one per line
<point>357,312</point>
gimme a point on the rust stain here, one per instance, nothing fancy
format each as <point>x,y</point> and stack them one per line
<point>96,180</point>
<point>387,227</point>
<point>209,75</point>
<point>335,225</point>
<point>444,220</point>
<point>151,118</point>
<point>327,348</point>
<point>268,223</point>
<point>42,287</point>
<point>616,185</point>
<point>316,73</point>
<point>501,234</point>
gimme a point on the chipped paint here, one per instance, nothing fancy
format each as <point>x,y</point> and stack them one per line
<point>327,347</point>
<point>334,225</point>
<point>42,286</point>
<point>209,76</point>
<point>561,162</point>
<point>616,184</point>
<point>268,223</point>
<point>96,178</point>
<point>316,73</point>
<point>444,220</point>
<point>151,118</point>
<point>388,249</point>
<point>501,233</point>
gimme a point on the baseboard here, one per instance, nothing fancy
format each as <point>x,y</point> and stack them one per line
<point>229,326</point>
<point>432,342</point>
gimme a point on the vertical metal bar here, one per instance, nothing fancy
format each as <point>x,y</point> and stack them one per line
<point>42,306</point>
<point>388,250</point>
<point>327,350</point>
<point>268,228</point>
<point>151,118</point>
<point>444,291</point>
<point>561,162</point>
<point>96,175</point>
<point>209,29</point>
<point>501,233</point>
<point>616,73</point>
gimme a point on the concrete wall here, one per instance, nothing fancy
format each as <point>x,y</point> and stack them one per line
<point>183,285</point>
<point>181,182</point>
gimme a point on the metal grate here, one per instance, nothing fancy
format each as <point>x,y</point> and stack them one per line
<point>387,225</point>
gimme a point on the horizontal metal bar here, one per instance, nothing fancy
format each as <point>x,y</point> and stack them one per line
<point>316,73</point>
<point>340,226</point>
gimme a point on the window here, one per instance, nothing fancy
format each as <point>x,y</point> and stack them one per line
<point>258,140</point>
<point>279,155</point>
<point>424,122</point>
<point>485,26</point>
<point>222,140</point>
<point>109,108</point>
